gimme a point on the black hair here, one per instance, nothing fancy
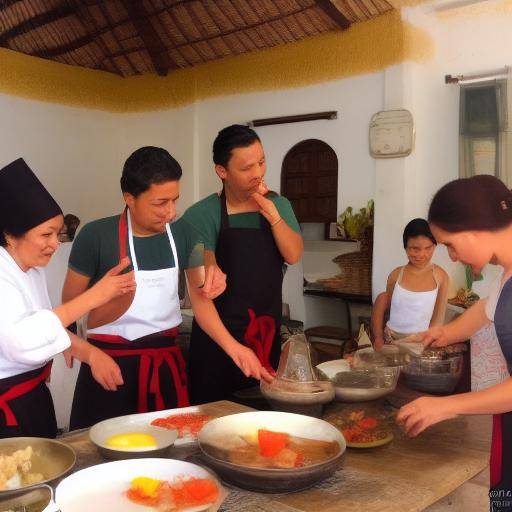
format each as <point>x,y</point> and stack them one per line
<point>13,231</point>
<point>146,166</point>
<point>229,138</point>
<point>418,227</point>
<point>479,203</point>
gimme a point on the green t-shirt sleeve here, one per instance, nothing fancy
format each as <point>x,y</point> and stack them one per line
<point>204,218</point>
<point>285,209</point>
<point>84,253</point>
<point>189,245</point>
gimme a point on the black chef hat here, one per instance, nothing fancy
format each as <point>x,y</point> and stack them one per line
<point>24,201</point>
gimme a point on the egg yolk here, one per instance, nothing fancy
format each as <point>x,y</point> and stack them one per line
<point>131,441</point>
<point>145,487</point>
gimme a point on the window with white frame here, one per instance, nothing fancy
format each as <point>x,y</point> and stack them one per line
<point>485,136</point>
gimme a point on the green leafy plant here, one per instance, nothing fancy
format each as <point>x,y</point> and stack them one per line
<point>354,224</point>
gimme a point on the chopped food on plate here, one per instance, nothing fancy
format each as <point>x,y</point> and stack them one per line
<point>180,494</point>
<point>15,470</point>
<point>187,424</point>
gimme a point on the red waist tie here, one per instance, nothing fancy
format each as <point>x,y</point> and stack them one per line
<point>496,451</point>
<point>259,336</point>
<point>19,390</point>
<point>156,356</point>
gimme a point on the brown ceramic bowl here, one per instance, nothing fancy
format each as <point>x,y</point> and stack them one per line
<point>216,436</point>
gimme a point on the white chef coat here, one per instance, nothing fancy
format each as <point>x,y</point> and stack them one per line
<point>30,333</point>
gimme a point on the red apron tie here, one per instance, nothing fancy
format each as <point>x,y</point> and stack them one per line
<point>156,356</point>
<point>19,390</point>
<point>259,336</point>
<point>496,450</point>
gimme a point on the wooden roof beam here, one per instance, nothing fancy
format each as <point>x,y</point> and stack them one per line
<point>62,11</point>
<point>333,12</point>
<point>156,49</point>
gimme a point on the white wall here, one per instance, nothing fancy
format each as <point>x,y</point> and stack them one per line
<point>355,99</point>
<point>468,39</point>
<point>79,153</point>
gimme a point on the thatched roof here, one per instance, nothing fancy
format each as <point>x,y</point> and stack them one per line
<point>132,37</point>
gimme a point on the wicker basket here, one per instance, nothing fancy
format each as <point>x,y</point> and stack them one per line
<point>355,269</point>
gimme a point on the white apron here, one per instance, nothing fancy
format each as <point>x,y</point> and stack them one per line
<point>156,305</point>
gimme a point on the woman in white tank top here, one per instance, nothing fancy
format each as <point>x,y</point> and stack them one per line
<point>416,293</point>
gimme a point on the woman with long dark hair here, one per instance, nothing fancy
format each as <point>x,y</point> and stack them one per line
<point>473,218</point>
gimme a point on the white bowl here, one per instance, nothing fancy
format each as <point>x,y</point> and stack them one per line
<point>353,394</point>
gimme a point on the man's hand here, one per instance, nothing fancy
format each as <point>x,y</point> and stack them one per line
<point>250,365</point>
<point>214,282</point>
<point>105,370</point>
<point>267,208</point>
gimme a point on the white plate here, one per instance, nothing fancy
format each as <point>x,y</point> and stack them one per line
<point>101,488</point>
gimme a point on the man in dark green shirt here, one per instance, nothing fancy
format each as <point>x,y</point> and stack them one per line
<point>250,233</point>
<point>139,329</point>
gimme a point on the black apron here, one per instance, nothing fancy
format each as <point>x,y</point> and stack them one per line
<point>501,450</point>
<point>250,308</point>
<point>154,378</point>
<point>26,405</point>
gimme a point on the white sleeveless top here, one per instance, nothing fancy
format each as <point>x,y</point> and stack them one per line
<point>411,312</point>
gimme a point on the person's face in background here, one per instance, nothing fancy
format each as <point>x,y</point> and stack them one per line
<point>154,208</point>
<point>420,250</point>
<point>245,170</point>
<point>36,247</point>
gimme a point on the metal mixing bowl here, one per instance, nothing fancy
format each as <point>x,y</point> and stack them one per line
<point>51,458</point>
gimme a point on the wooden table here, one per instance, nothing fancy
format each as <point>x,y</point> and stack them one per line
<point>407,475</point>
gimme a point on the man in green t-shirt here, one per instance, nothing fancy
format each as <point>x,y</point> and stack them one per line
<point>250,233</point>
<point>139,329</point>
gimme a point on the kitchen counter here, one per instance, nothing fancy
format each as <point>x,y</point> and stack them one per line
<point>405,475</point>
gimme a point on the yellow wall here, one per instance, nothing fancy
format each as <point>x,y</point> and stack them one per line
<point>364,47</point>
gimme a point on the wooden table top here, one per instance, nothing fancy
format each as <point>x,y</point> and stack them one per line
<point>405,475</point>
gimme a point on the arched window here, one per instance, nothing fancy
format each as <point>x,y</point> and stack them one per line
<point>309,179</point>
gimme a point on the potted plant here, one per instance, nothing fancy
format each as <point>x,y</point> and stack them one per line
<point>354,225</point>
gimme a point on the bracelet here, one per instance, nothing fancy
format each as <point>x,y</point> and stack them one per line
<point>276,222</point>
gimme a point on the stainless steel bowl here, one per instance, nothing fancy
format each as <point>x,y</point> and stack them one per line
<point>51,458</point>
<point>437,376</point>
<point>213,444</point>
<point>35,500</point>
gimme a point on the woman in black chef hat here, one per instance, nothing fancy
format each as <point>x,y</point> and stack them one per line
<point>31,332</point>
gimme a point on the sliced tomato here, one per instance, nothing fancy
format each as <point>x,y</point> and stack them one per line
<point>201,490</point>
<point>271,443</point>
<point>368,423</point>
